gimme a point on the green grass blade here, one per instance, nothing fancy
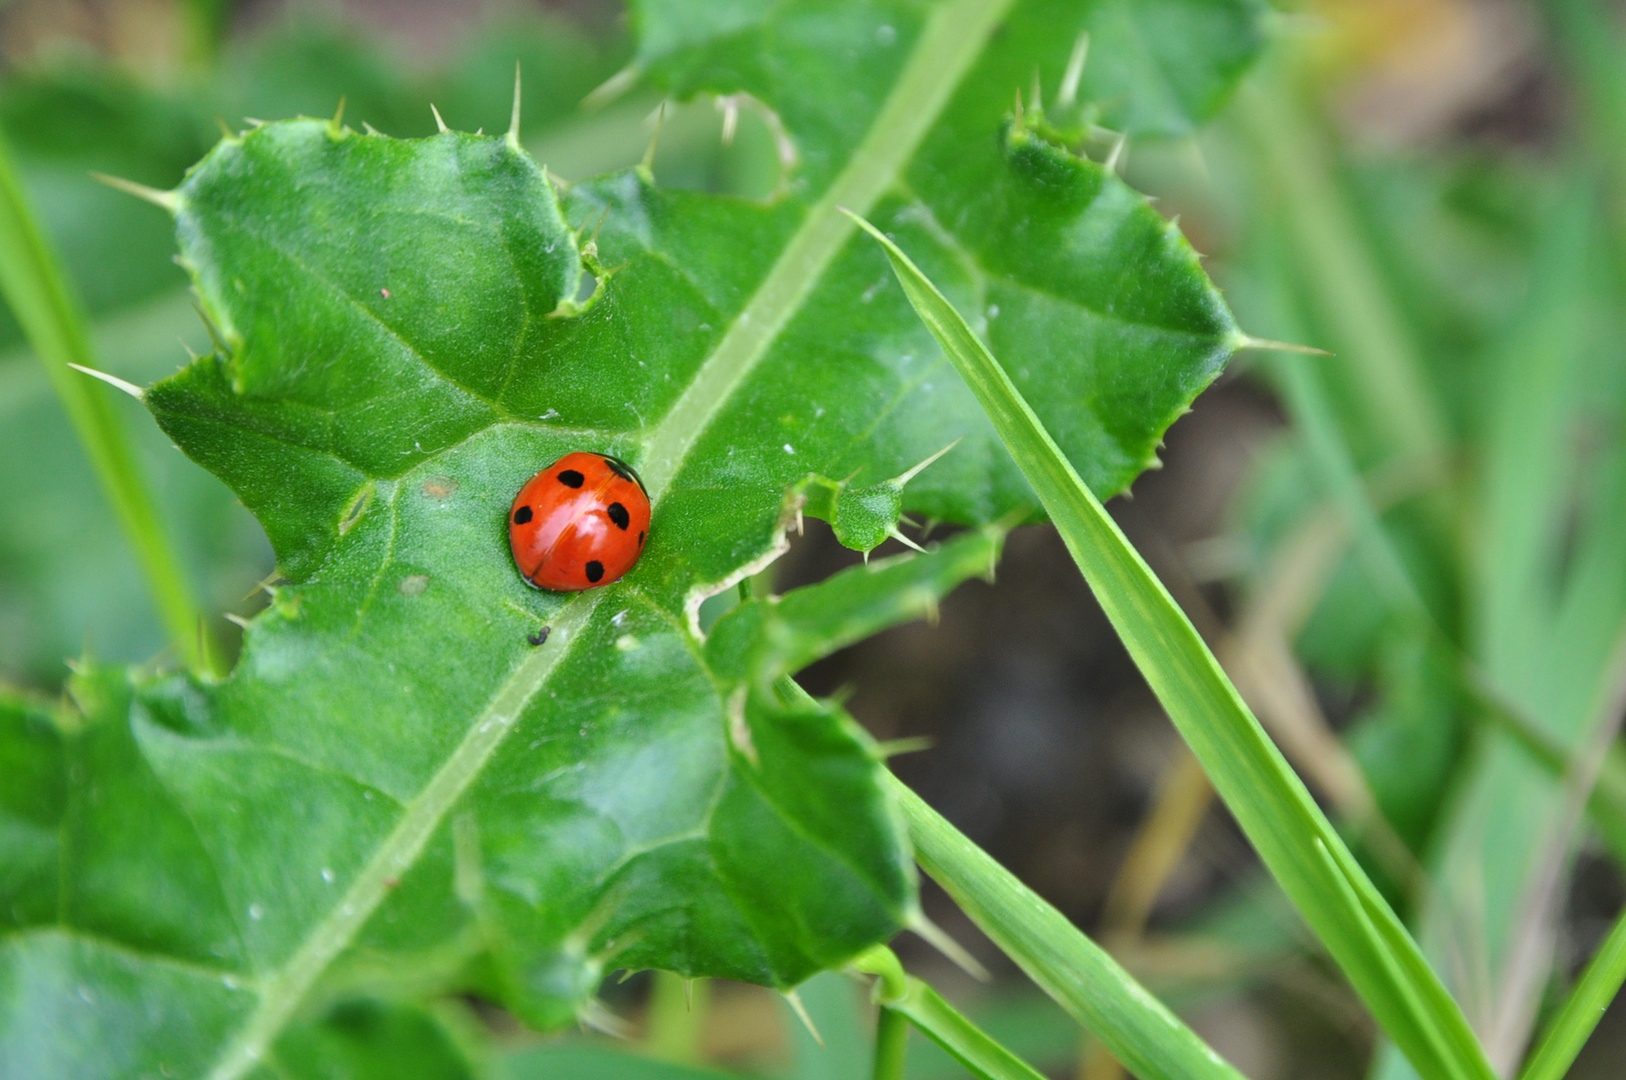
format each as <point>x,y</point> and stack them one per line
<point>1141,1032</point>
<point>1569,1030</point>
<point>39,295</point>
<point>1341,274</point>
<point>1262,791</point>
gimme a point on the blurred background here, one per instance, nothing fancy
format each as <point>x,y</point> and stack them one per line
<point>1410,555</point>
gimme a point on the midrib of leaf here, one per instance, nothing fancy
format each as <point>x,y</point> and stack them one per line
<point>285,988</point>
<point>952,40</point>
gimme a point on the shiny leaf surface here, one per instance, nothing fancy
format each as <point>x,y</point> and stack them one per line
<point>395,778</point>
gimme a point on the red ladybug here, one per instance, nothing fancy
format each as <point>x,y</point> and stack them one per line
<point>579,523</point>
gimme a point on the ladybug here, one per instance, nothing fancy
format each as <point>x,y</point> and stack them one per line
<point>579,523</point>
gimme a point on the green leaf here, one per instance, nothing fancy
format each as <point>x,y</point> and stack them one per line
<point>1293,837</point>
<point>1159,66</point>
<point>394,778</point>
<point>365,1039</point>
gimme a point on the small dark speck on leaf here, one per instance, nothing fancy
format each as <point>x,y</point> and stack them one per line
<point>539,637</point>
<point>392,883</point>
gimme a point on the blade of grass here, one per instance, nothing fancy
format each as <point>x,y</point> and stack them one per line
<point>39,295</point>
<point>1599,984</point>
<point>1590,38</point>
<point>1082,978</point>
<point>1607,805</point>
<point>904,995</point>
<point>1267,798</point>
<point>1533,938</point>
<point>1340,273</point>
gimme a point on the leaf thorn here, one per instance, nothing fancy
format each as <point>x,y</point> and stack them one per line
<point>169,200</point>
<point>647,165</point>
<point>1118,154</point>
<point>513,120</point>
<point>439,123</point>
<point>112,380</point>
<point>891,748</point>
<point>909,474</point>
<point>892,531</point>
<point>213,330</point>
<point>794,999</point>
<point>596,1015</point>
<point>236,619</point>
<point>729,106</point>
<point>334,126</point>
<point>1248,341</point>
<point>938,938</point>
<point>612,88</point>
<point>1075,70</point>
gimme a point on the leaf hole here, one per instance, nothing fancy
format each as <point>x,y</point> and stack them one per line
<point>585,290</point>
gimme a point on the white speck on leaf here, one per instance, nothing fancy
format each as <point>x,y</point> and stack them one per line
<point>327,875</point>
<point>789,449</point>
<point>626,643</point>
<point>885,35</point>
<point>993,311</point>
<point>256,912</point>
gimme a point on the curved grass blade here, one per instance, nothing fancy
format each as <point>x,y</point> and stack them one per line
<point>33,284</point>
<point>1270,802</point>
<point>1581,1012</point>
<point>1083,979</point>
<point>902,995</point>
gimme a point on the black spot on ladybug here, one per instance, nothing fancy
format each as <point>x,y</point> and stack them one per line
<point>595,571</point>
<point>539,637</point>
<point>619,515</point>
<point>640,538</point>
<point>522,515</point>
<point>571,478</point>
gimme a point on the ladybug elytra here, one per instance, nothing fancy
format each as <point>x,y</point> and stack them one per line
<point>579,523</point>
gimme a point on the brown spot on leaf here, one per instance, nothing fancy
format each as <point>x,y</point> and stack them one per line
<point>439,487</point>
